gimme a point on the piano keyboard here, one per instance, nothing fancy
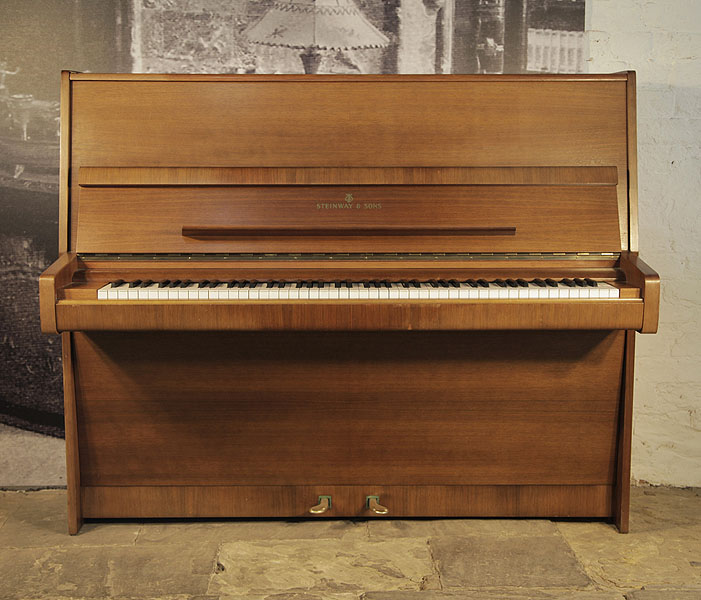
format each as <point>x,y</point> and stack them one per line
<point>434,289</point>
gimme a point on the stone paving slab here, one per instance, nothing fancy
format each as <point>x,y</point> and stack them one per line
<point>489,561</point>
<point>391,528</point>
<point>668,594</point>
<point>98,572</point>
<point>9,501</point>
<point>494,594</point>
<point>663,547</point>
<point>322,567</point>
<point>40,521</point>
<point>231,531</point>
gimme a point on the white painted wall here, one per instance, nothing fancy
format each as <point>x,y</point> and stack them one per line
<point>661,40</point>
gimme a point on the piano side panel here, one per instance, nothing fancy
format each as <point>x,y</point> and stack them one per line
<point>350,123</point>
<point>399,409</point>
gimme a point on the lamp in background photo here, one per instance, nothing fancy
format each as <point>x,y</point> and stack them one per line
<point>316,25</point>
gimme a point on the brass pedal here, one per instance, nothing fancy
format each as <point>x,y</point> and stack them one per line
<point>322,507</point>
<point>373,504</point>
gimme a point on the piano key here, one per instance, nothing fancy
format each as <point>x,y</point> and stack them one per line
<point>103,292</point>
<point>375,289</point>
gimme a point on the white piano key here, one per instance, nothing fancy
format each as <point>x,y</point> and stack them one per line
<point>133,293</point>
<point>103,292</point>
<point>150,292</point>
<point>324,291</point>
<point>394,291</point>
<point>403,292</point>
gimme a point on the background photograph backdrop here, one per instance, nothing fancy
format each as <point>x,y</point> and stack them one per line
<point>661,40</point>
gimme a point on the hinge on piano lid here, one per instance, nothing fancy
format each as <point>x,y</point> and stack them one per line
<point>344,256</point>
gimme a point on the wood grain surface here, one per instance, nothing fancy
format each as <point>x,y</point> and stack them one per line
<point>348,408</point>
<point>159,501</point>
<point>545,219</point>
<point>347,122</point>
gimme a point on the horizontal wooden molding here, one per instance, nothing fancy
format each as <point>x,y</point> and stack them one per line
<point>242,78</point>
<point>230,232</point>
<point>223,176</point>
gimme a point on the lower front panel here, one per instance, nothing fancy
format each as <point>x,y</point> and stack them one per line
<point>347,501</point>
<point>447,423</point>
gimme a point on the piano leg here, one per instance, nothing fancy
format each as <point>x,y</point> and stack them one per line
<point>621,501</point>
<point>75,515</point>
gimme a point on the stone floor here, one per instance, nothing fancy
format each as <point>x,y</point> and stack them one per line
<point>341,560</point>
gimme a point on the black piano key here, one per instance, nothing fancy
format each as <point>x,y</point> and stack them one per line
<point>386,284</point>
<point>147,283</point>
<point>337,284</point>
<point>499,282</point>
<point>366,283</point>
<point>118,282</point>
<point>567,282</point>
<point>579,282</point>
<point>175,283</point>
<point>404,283</point>
<point>164,283</point>
<point>185,283</point>
<point>538,282</point>
<point>214,283</point>
<point>590,282</point>
<point>443,283</point>
<point>432,283</point>
<point>244,283</point>
<point>271,284</point>
<point>472,283</point>
<point>483,283</point>
<point>299,284</point>
<point>454,283</point>
<point>511,283</point>
<point>551,282</point>
<point>203,284</point>
<point>416,283</point>
<point>253,284</point>
<point>281,284</point>
<point>522,282</point>
<point>232,283</point>
<point>348,283</point>
<point>135,283</point>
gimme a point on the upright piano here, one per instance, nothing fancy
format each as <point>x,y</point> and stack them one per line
<point>348,296</point>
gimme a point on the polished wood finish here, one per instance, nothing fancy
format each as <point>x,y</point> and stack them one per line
<point>206,176</point>
<point>647,280</point>
<point>500,219</point>
<point>621,503</point>
<point>159,501</point>
<point>53,279</point>
<point>358,122</point>
<point>64,164</point>
<point>358,315</point>
<point>347,408</point>
<point>631,111</point>
<point>449,408</point>
<point>75,512</point>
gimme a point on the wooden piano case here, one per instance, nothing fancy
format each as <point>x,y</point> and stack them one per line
<point>435,408</point>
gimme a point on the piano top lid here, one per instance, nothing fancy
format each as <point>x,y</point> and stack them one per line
<point>503,163</point>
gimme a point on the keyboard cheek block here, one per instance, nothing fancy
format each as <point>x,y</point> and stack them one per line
<point>348,296</point>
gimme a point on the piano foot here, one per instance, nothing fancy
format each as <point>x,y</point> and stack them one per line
<point>373,504</point>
